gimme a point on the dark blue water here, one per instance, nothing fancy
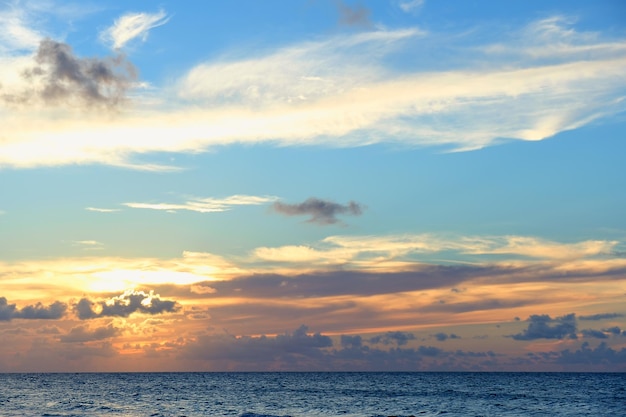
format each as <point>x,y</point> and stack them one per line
<point>313,394</point>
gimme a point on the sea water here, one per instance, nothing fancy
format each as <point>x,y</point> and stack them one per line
<point>313,394</point>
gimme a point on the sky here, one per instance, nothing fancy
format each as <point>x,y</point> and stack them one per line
<point>314,185</point>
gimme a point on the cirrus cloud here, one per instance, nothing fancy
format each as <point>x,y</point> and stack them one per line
<point>131,26</point>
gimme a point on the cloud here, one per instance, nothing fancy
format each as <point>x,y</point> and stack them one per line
<point>615,330</point>
<point>410,5</point>
<point>350,342</point>
<point>586,355</point>
<point>398,338</point>
<point>356,15</point>
<point>61,78</point>
<point>594,334</point>
<point>17,32</point>
<point>344,91</point>
<point>539,328</point>
<point>602,316</point>
<point>397,252</point>
<point>322,212</point>
<point>303,351</point>
<point>82,334</point>
<point>287,348</point>
<point>206,205</point>
<point>339,282</point>
<point>442,337</point>
<point>37,311</point>
<point>124,305</point>
<point>131,26</point>
<point>88,244</point>
<point>101,210</point>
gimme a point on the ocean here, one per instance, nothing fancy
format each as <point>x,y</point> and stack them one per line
<point>313,394</point>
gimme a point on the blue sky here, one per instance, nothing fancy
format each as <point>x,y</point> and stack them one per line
<point>179,179</point>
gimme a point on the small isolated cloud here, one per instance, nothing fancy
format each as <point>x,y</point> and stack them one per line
<point>322,212</point>
<point>206,205</point>
<point>82,334</point>
<point>442,337</point>
<point>101,210</point>
<point>398,338</point>
<point>37,311</point>
<point>356,15</point>
<point>124,305</point>
<point>539,328</point>
<point>60,77</point>
<point>409,6</point>
<point>131,26</point>
<point>88,244</point>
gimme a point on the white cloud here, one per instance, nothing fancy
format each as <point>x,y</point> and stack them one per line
<point>340,92</point>
<point>89,244</point>
<point>386,251</point>
<point>206,205</point>
<point>17,32</point>
<point>131,26</point>
<point>410,5</point>
<point>101,210</point>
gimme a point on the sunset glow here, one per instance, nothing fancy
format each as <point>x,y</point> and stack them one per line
<point>327,185</point>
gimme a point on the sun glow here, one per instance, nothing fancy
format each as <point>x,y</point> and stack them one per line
<point>120,280</point>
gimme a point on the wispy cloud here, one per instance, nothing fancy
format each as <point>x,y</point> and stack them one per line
<point>399,249</point>
<point>101,210</point>
<point>342,92</point>
<point>131,26</point>
<point>410,5</point>
<point>81,334</point>
<point>322,212</point>
<point>89,244</point>
<point>18,33</point>
<point>206,205</point>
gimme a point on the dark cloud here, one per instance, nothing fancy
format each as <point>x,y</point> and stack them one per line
<point>49,330</point>
<point>60,77</point>
<point>302,350</point>
<point>602,354</point>
<point>82,334</point>
<point>348,341</point>
<point>288,348</point>
<point>594,334</point>
<point>356,15</point>
<point>79,351</point>
<point>487,304</point>
<point>613,330</point>
<point>603,316</point>
<point>442,337</point>
<point>333,283</point>
<point>54,311</point>
<point>397,338</point>
<point>322,212</point>
<point>126,304</point>
<point>539,328</point>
